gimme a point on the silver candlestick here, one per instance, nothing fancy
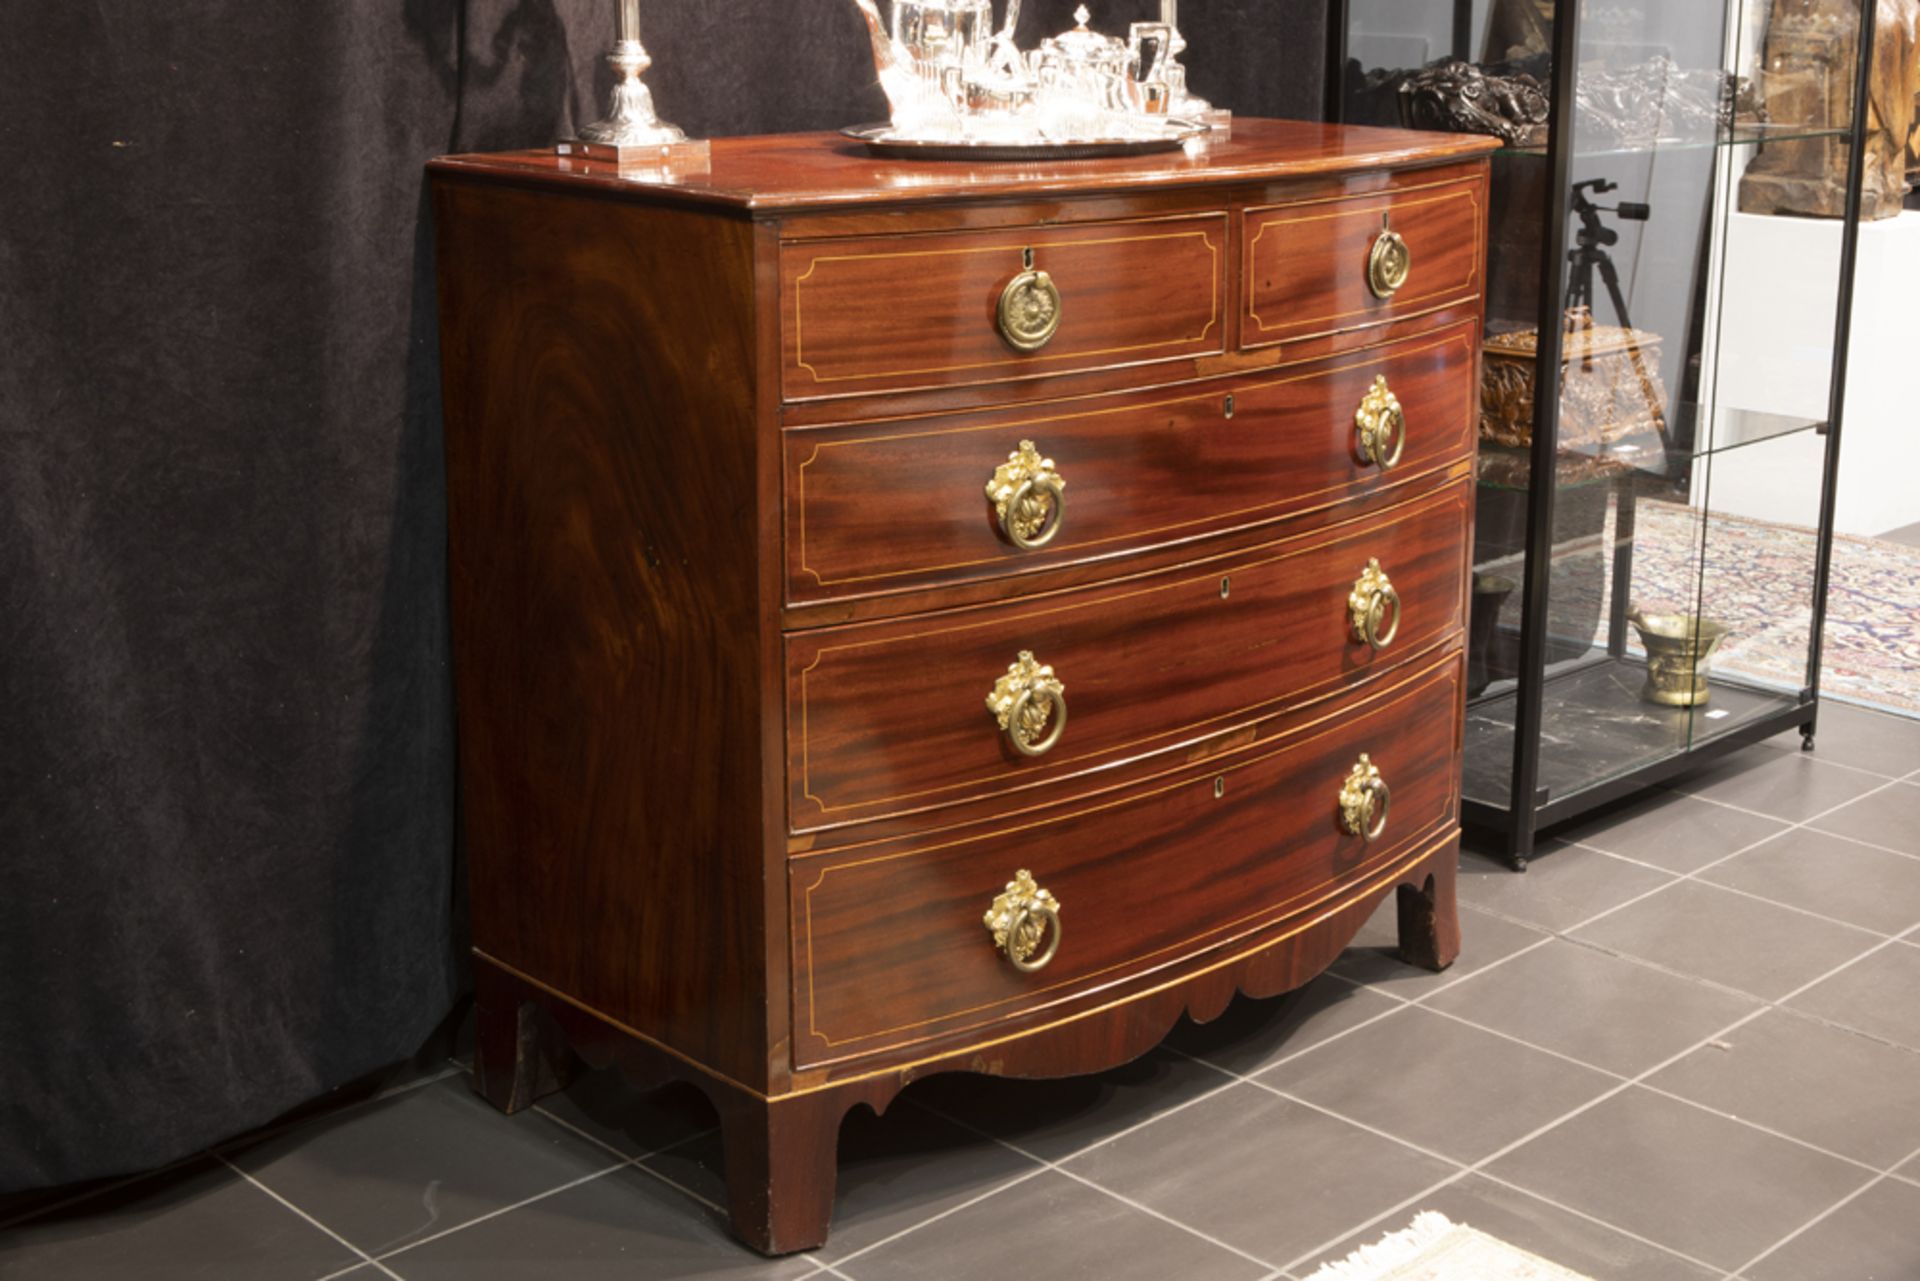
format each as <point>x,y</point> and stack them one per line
<point>632,134</point>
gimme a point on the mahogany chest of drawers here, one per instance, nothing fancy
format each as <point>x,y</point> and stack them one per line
<point>912,618</point>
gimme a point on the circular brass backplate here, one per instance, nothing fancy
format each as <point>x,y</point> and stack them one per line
<point>1029,311</point>
<point>1388,265</point>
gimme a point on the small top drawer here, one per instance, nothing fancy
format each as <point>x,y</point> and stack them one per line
<point>937,310</point>
<point>1325,266</point>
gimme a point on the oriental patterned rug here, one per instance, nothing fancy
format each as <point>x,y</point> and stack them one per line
<point>1437,1249</point>
<point>1756,576</point>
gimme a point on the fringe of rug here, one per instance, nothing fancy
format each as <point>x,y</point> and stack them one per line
<point>1392,1250</point>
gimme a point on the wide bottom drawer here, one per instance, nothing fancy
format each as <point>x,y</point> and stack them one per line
<point>891,946</point>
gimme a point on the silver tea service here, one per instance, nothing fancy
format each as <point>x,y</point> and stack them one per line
<point>956,82</point>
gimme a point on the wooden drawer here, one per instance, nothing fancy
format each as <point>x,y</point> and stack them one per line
<point>1307,264</point>
<point>889,945</point>
<point>892,718</point>
<point>875,509</point>
<point>896,312</point>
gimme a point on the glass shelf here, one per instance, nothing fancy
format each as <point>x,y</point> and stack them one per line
<point>1744,135</point>
<point>1655,457</point>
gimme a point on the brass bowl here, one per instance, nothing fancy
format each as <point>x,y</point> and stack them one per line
<point>1679,648</point>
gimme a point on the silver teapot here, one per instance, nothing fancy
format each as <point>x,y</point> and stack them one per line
<point>941,59</point>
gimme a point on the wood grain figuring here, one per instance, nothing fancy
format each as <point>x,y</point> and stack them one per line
<point>891,719</point>
<point>905,312</point>
<point>728,600</point>
<point>890,949</point>
<point>1306,271</point>
<point>593,593</point>
<point>879,507</point>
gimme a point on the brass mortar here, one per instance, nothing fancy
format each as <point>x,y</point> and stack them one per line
<point>1679,648</point>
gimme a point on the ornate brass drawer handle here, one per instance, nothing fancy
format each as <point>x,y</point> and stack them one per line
<point>1374,607</point>
<point>1364,800</point>
<point>1389,264</point>
<point>1029,309</point>
<point>1029,497</point>
<point>1382,425</point>
<point>1031,705</point>
<point>1021,919</point>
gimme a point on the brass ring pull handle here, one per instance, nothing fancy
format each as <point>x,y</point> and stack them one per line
<point>1029,310</point>
<point>1382,425</point>
<point>1364,801</point>
<point>1388,264</point>
<point>1029,497</point>
<point>1020,919</point>
<point>1374,607</point>
<point>1030,704</point>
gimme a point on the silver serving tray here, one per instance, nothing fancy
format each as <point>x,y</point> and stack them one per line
<point>881,140</point>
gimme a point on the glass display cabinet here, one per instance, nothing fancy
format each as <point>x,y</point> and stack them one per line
<point>1653,529</point>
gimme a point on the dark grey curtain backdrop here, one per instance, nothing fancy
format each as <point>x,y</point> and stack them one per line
<point>228,879</point>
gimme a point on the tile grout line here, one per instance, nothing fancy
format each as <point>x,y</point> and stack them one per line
<point>1768,1008</point>
<point>1023,1177</point>
<point>1884,784</point>
<point>1589,945</point>
<point>1462,1168</point>
<point>1591,1067</point>
<point>366,1259</point>
<point>1694,875</point>
<point>1831,1210</point>
<point>1470,975</point>
<point>1772,902</point>
<point>624,1162</point>
<point>1577,1213</point>
<point>1101,1188</point>
<point>500,1210</point>
<point>1350,981</point>
<point>1624,1083</point>
<point>678,1186</point>
<point>605,1146</point>
<point>1860,841</point>
<point>1161,1215</point>
<point>1479,1167</point>
<point>1388,1215</point>
<point>1817,759</point>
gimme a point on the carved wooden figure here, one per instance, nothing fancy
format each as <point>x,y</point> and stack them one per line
<point>1811,54</point>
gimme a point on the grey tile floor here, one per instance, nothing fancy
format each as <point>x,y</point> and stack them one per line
<point>1686,1044</point>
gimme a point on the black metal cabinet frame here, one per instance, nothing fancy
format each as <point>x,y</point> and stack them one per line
<point>1532,804</point>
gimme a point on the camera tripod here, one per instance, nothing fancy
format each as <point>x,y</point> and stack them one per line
<point>1590,247</point>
